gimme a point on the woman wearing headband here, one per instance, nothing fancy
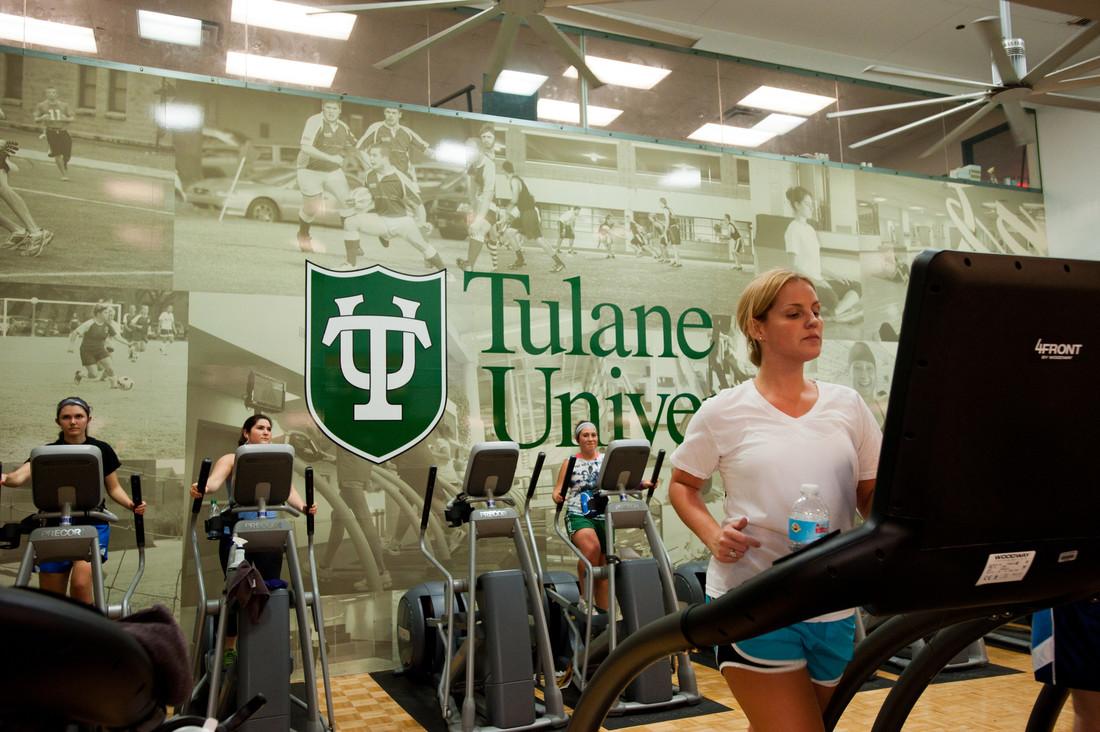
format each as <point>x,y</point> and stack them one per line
<point>585,523</point>
<point>73,416</point>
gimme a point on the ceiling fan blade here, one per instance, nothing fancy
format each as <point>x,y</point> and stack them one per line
<point>394,5</point>
<point>1069,85</point>
<point>961,130</point>
<point>904,105</point>
<point>1023,129</point>
<point>908,74</point>
<point>460,27</point>
<point>550,33</point>
<point>506,36</point>
<point>1076,71</point>
<point>989,28</point>
<point>1060,100</point>
<point>1060,55</point>
<point>1079,8</point>
<point>597,21</point>
<point>911,125</point>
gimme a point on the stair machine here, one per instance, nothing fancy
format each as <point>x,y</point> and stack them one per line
<point>641,589</point>
<point>472,637</point>
<point>67,484</point>
<point>261,481</point>
<point>983,509</point>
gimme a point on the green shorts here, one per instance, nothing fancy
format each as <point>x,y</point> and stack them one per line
<point>574,523</point>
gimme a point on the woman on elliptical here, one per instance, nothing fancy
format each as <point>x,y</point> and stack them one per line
<point>766,437</point>
<point>583,521</point>
<point>73,416</point>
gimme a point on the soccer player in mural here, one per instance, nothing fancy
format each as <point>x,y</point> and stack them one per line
<point>326,143</point>
<point>731,237</point>
<point>605,238</point>
<point>639,238</point>
<point>523,217</point>
<point>481,186</point>
<point>671,236</point>
<point>402,141</point>
<point>55,115</point>
<point>25,236</point>
<point>567,228</point>
<point>166,329</point>
<point>384,208</point>
<point>95,354</point>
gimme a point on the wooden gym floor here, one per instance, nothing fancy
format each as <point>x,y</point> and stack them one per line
<point>994,703</point>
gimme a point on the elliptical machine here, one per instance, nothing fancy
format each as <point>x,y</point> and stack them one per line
<point>68,484</point>
<point>479,624</point>
<point>641,589</point>
<point>261,483</point>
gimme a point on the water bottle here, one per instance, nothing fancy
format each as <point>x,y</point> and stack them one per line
<point>809,518</point>
<point>66,520</point>
<point>212,526</point>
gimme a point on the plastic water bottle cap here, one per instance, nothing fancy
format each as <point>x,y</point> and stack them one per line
<point>810,488</point>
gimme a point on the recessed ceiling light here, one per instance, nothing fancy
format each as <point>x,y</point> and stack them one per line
<point>730,135</point>
<point>292,17</point>
<point>169,28</point>
<point>780,124</point>
<point>178,116</point>
<point>279,69</point>
<point>786,101</point>
<point>47,33</point>
<point>559,111</point>
<point>622,73</point>
<point>519,82</point>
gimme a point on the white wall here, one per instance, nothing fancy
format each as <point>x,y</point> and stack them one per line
<point>1069,150</point>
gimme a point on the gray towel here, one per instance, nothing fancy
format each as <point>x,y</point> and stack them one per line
<point>247,588</point>
<point>159,634</point>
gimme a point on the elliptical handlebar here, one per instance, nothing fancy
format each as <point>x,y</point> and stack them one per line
<point>656,475</point>
<point>204,476</point>
<point>139,536</point>
<point>309,500</point>
<point>139,520</point>
<point>566,483</point>
<point>428,492</point>
<point>535,477</point>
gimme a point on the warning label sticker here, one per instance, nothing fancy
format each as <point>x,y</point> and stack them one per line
<point>1007,567</point>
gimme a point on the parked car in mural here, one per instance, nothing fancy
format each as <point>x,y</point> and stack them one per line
<point>272,195</point>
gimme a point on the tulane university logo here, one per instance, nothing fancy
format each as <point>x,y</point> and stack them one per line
<point>376,357</point>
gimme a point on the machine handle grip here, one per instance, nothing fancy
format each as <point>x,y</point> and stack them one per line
<point>535,475</point>
<point>428,491</point>
<point>656,474</point>
<point>139,520</point>
<point>567,481</point>
<point>309,500</point>
<point>241,715</point>
<point>204,475</point>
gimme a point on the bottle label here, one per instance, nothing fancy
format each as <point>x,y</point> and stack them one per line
<point>803,532</point>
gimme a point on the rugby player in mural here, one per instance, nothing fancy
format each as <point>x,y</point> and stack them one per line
<point>326,142</point>
<point>524,217</point>
<point>54,115</point>
<point>481,185</point>
<point>25,235</point>
<point>402,141</point>
<point>384,208</point>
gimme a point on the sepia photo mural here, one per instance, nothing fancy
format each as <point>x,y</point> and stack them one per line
<point>190,209</point>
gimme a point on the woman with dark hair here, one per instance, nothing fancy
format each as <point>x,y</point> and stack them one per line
<point>73,416</point>
<point>95,356</point>
<point>766,438</point>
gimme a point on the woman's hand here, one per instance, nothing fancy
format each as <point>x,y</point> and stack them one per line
<point>730,543</point>
<point>558,497</point>
<point>139,509</point>
<point>311,509</point>
<point>195,493</point>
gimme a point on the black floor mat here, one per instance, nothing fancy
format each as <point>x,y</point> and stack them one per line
<point>635,719</point>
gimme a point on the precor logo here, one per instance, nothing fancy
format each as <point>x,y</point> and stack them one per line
<point>58,533</point>
<point>1057,351</point>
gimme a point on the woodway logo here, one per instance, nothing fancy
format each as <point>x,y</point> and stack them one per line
<point>376,357</point>
<point>1057,351</point>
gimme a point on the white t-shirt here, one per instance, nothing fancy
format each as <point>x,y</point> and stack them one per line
<point>764,456</point>
<point>800,239</point>
<point>167,321</point>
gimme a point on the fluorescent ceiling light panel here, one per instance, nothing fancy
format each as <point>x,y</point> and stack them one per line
<point>622,73</point>
<point>178,116</point>
<point>47,33</point>
<point>786,101</point>
<point>559,111</point>
<point>279,69</point>
<point>519,82</point>
<point>780,124</point>
<point>169,28</point>
<point>293,18</point>
<point>730,135</point>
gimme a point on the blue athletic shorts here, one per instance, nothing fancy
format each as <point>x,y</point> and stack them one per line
<point>104,531</point>
<point>824,649</point>
<point>1065,646</point>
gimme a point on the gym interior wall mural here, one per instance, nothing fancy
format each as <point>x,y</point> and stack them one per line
<point>181,215</point>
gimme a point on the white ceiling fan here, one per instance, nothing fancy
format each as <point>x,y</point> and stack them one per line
<point>1012,82</point>
<point>537,15</point>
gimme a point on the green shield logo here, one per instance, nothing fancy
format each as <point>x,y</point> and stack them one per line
<point>376,357</point>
